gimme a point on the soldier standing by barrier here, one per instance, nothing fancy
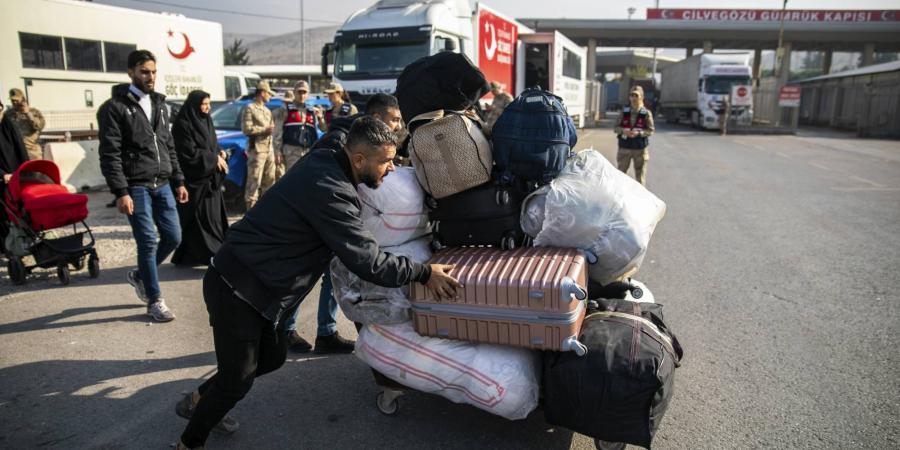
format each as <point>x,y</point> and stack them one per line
<point>258,125</point>
<point>634,129</point>
<point>28,120</point>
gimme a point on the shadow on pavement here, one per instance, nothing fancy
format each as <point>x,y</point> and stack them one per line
<point>323,402</point>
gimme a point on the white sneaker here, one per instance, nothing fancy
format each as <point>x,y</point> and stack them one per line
<point>160,312</point>
<point>137,284</point>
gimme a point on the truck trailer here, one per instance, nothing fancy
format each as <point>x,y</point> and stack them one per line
<point>375,44</point>
<point>695,89</point>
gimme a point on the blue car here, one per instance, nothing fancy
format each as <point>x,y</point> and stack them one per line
<point>227,120</point>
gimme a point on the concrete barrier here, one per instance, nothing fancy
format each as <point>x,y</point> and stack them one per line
<point>79,164</point>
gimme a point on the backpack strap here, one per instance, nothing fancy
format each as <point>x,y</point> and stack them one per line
<point>429,116</point>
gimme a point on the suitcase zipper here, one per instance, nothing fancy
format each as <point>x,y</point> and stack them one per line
<point>488,313</point>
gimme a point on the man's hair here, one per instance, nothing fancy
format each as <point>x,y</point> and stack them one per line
<point>138,57</point>
<point>380,103</point>
<point>371,132</point>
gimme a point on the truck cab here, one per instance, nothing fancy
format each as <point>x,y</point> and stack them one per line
<point>377,43</point>
<point>714,88</point>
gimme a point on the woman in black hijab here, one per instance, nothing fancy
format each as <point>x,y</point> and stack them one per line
<point>203,218</point>
<point>12,155</point>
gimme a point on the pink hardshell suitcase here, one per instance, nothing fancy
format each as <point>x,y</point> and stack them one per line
<point>528,297</point>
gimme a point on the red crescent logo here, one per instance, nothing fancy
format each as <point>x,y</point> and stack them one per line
<point>888,16</point>
<point>183,53</point>
<point>666,14</point>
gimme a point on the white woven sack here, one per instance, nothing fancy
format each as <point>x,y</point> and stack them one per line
<point>498,379</point>
<point>395,212</point>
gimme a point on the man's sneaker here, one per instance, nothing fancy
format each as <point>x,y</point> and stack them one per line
<point>135,281</point>
<point>181,446</point>
<point>160,312</point>
<point>333,344</point>
<point>185,408</point>
<point>297,344</point>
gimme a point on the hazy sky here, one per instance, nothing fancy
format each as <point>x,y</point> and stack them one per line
<point>333,12</point>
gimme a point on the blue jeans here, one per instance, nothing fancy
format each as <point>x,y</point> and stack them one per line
<point>327,314</point>
<point>154,209</point>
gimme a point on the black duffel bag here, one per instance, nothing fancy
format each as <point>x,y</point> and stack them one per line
<point>445,80</point>
<point>619,390</point>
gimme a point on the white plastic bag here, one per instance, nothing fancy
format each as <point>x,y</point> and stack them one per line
<point>595,207</point>
<point>369,303</point>
<point>498,379</point>
<point>395,212</point>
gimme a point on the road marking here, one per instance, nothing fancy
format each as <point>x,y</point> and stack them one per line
<point>867,181</point>
<point>819,166</point>
<point>865,189</point>
<point>782,155</point>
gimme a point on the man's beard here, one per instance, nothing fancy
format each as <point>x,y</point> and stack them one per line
<point>141,85</point>
<point>372,181</point>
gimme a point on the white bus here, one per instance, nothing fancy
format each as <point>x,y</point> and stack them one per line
<point>66,55</point>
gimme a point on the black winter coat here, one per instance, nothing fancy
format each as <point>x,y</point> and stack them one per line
<point>135,151</point>
<point>277,252</point>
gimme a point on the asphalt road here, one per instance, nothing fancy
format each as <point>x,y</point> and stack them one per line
<point>777,262</point>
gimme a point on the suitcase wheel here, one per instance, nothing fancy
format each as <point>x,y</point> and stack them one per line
<point>501,197</point>
<point>387,401</point>
<point>508,243</point>
<point>637,293</point>
<point>607,445</point>
<point>436,243</point>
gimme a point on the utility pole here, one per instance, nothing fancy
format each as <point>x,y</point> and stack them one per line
<point>302,36</point>
<point>653,72</point>
<point>779,52</point>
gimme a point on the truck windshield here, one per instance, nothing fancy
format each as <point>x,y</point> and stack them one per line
<point>722,85</point>
<point>354,60</point>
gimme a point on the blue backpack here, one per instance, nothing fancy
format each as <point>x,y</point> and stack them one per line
<point>533,137</point>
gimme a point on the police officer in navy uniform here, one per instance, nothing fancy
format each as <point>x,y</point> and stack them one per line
<point>634,130</point>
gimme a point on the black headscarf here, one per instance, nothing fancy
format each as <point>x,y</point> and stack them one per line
<point>12,149</point>
<point>195,139</point>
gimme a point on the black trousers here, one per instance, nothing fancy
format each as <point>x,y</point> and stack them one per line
<point>247,346</point>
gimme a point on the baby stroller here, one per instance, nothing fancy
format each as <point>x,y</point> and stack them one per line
<point>37,204</point>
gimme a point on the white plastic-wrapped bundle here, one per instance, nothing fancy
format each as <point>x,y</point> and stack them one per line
<point>395,212</point>
<point>498,379</point>
<point>595,207</point>
<point>369,303</point>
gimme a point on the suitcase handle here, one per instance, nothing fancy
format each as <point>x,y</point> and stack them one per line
<point>571,343</point>
<point>571,290</point>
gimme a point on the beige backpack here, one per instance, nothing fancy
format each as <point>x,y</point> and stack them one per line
<point>450,152</point>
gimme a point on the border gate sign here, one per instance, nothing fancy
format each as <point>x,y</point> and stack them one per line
<point>789,97</point>
<point>741,95</point>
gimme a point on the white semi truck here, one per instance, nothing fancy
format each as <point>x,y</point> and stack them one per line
<point>66,55</point>
<point>695,89</point>
<point>375,44</point>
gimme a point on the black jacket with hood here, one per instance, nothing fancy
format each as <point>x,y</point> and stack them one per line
<point>135,151</point>
<point>277,252</point>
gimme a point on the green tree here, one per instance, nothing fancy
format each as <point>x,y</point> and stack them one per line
<point>236,54</point>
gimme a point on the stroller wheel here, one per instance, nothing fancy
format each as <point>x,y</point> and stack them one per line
<point>62,272</point>
<point>94,266</point>
<point>606,445</point>
<point>16,270</point>
<point>78,264</point>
